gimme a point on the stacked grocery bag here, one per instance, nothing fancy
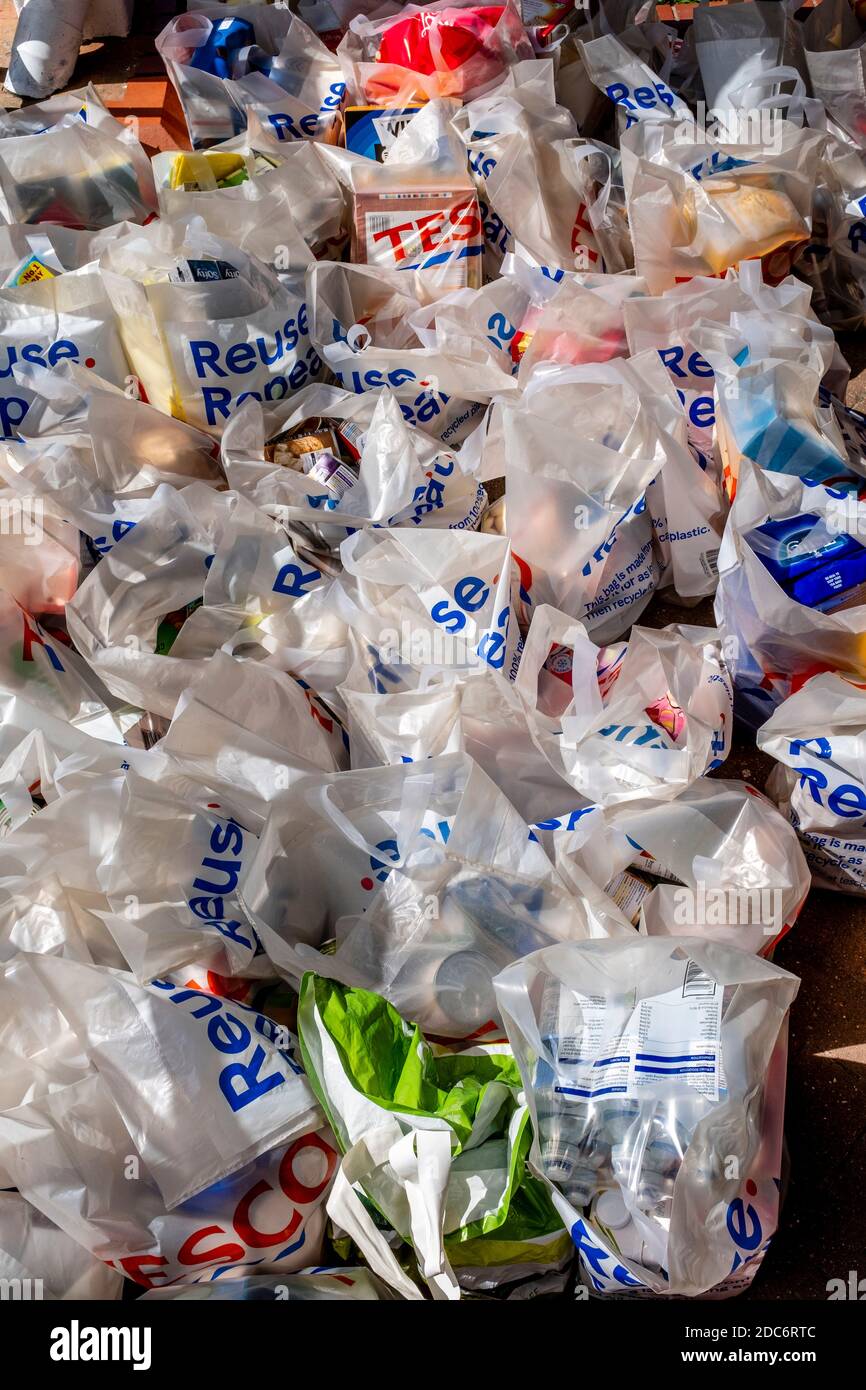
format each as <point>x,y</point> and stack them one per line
<point>377,920</point>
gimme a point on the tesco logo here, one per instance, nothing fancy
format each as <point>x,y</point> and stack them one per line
<point>432,229</point>
<point>266,1224</point>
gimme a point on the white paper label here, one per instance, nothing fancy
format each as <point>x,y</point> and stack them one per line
<point>640,1049</point>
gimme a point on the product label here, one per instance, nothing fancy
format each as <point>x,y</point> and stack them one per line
<point>421,231</point>
<point>640,1047</point>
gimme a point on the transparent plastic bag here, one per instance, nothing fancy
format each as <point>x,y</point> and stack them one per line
<point>404,478</point>
<point>450,48</point>
<point>639,718</point>
<point>784,608</point>
<point>714,862</point>
<point>581,447</point>
<point>454,912</point>
<point>270,55</point>
<point>93,455</point>
<point>634,1143</point>
<point>69,318</point>
<point>81,1185</point>
<point>46,1262</point>
<point>698,206</point>
<point>280,205</point>
<point>79,167</point>
<point>127,615</point>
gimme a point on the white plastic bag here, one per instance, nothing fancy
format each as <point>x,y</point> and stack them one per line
<point>78,167</point>
<point>361,324</point>
<point>284,60</point>
<point>288,206</point>
<point>329,843</point>
<point>49,883</point>
<point>52,675</point>
<point>770,409</point>
<point>581,447</point>
<point>204,323</point>
<point>698,205</point>
<point>404,477</point>
<point>447,596</point>
<point>454,912</point>
<point>421,52</point>
<point>204,1084</point>
<point>69,318</point>
<point>770,636</point>
<point>94,455</point>
<point>69,247</point>
<point>819,783</point>
<point>244,732</point>
<point>69,1154</point>
<point>714,862</point>
<point>156,571</point>
<point>639,718</point>
<point>171,877</point>
<point>44,1262</point>
<point>417,209</point>
<point>521,151</point>
<point>629,83</point>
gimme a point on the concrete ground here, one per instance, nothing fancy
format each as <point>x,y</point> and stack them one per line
<point>823,1228</point>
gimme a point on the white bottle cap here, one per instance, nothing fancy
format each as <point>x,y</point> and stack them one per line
<point>611,1211</point>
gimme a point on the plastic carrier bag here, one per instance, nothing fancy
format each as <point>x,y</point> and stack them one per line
<point>714,862</point>
<point>39,1257</point>
<point>398,476</point>
<point>67,318</point>
<point>68,161</point>
<point>545,194</point>
<point>789,602</point>
<point>417,209</point>
<point>71,1149</point>
<point>698,206</point>
<point>453,913</point>
<point>446,49</point>
<point>281,205</point>
<point>205,324</point>
<point>441,1155</point>
<point>819,781</point>
<point>94,455</point>
<point>129,617</point>
<point>633,719</point>
<point>582,446</point>
<point>221,62</point>
<point>634,1143</point>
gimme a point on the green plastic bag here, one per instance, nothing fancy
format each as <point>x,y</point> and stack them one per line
<point>436,1141</point>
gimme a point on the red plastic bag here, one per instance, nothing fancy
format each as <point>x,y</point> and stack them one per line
<point>428,42</point>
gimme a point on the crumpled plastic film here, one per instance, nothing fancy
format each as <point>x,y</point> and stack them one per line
<point>418,478</point>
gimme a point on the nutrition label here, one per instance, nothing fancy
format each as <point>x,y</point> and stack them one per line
<point>638,1048</point>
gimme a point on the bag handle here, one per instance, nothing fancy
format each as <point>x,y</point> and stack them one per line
<point>544,630</point>
<point>345,1207</point>
<point>414,800</point>
<point>770,77</point>
<point>422,1162</point>
<point>598,207</point>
